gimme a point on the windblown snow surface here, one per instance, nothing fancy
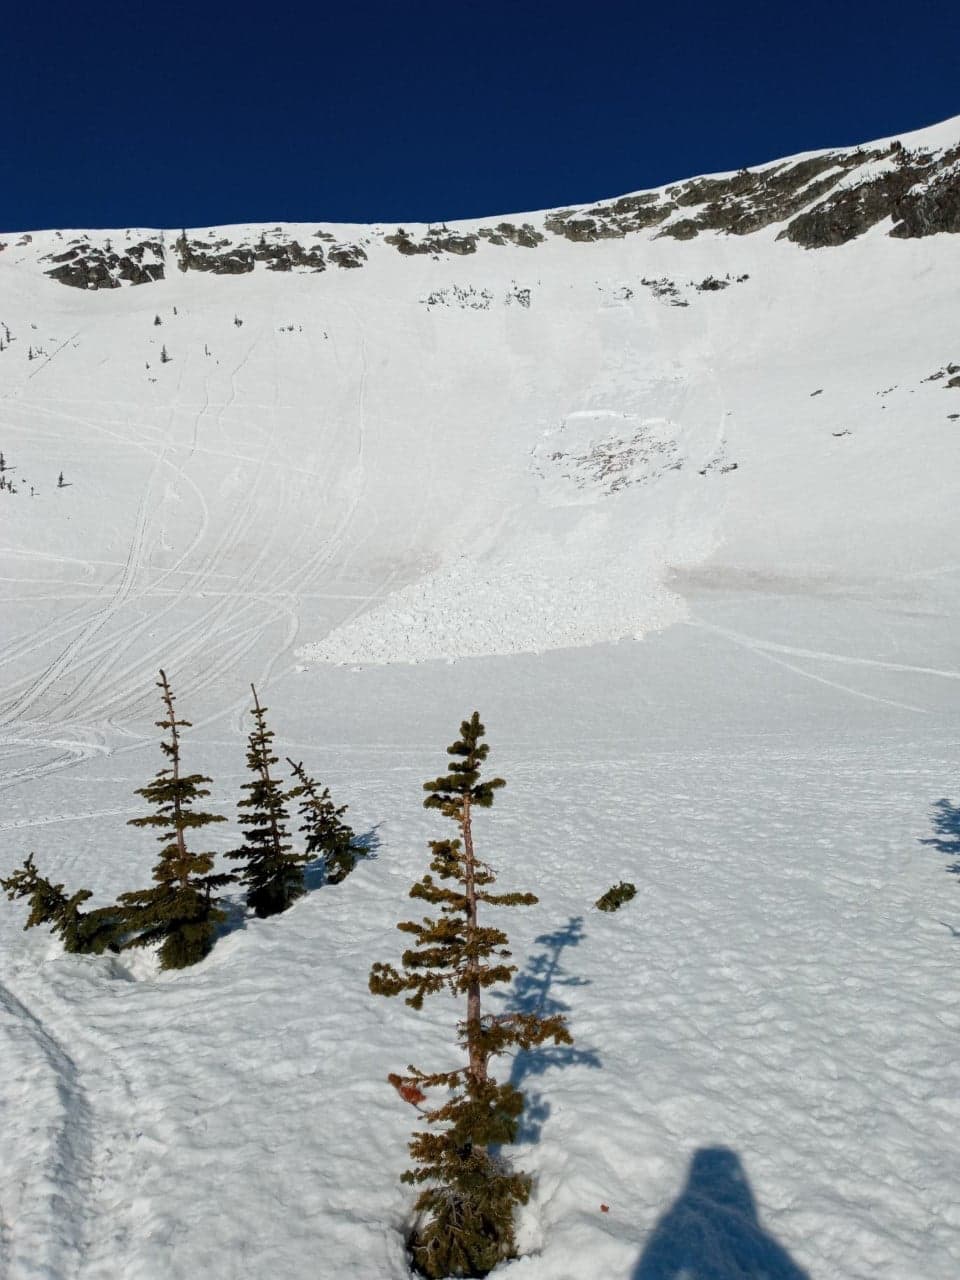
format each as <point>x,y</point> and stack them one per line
<point>696,565</point>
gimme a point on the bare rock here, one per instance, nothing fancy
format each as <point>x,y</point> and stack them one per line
<point>346,255</point>
<point>87,266</point>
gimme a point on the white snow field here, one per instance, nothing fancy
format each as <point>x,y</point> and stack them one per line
<point>500,480</point>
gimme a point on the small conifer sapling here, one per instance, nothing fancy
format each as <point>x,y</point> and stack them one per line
<point>466,1209</point>
<point>83,932</point>
<point>616,896</point>
<point>273,871</point>
<point>325,833</point>
<point>180,911</point>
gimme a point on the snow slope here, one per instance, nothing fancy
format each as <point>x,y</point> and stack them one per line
<point>525,459</point>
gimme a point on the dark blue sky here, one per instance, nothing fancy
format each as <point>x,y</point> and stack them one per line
<point>169,115</point>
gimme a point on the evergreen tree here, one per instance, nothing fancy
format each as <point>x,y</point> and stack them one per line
<point>273,873</point>
<point>84,932</point>
<point>324,833</point>
<point>467,1208</point>
<point>179,912</point>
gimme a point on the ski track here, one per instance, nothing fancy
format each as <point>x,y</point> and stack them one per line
<point>84,624</point>
<point>295,580</point>
<point>85,1201</point>
<point>835,684</point>
<point>770,651</point>
<point>92,661</point>
<point>70,752</point>
<point>769,646</point>
<point>50,1128</point>
<point>61,663</point>
<point>124,691</point>
<point>20,824</point>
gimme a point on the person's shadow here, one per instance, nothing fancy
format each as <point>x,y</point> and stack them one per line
<point>712,1231</point>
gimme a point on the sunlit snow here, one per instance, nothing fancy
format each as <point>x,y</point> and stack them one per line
<point>697,567</point>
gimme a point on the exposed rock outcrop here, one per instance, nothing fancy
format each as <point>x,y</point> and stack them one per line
<point>919,192</point>
<point>224,258</point>
<point>346,255</point>
<point>526,236</point>
<point>220,257</point>
<point>88,266</point>
<point>609,221</point>
<point>825,200</point>
<point>436,241</point>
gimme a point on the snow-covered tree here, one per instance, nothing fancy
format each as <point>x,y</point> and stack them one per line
<point>273,872</point>
<point>179,912</point>
<point>467,1207</point>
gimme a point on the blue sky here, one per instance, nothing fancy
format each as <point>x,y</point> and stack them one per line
<point>170,115</point>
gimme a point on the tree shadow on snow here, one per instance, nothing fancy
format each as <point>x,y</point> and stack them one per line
<point>946,838</point>
<point>236,909</point>
<point>366,846</point>
<point>533,991</point>
<point>713,1232</point>
<point>314,877</point>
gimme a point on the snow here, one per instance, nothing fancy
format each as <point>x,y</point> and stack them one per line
<point>355,501</point>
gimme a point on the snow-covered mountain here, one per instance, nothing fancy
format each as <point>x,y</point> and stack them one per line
<point>723,417</point>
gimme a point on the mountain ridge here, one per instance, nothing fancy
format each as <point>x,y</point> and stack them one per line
<point>606,420</point>
<point>817,199</point>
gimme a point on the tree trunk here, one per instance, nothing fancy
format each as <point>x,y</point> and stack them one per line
<point>175,777</point>
<point>268,781</point>
<point>478,1062</point>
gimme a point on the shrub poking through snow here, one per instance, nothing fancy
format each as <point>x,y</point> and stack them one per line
<point>325,834</point>
<point>616,896</point>
<point>465,1223</point>
<point>273,872</point>
<point>83,932</point>
<point>179,912</point>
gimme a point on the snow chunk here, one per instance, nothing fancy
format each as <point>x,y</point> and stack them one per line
<point>470,610</point>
